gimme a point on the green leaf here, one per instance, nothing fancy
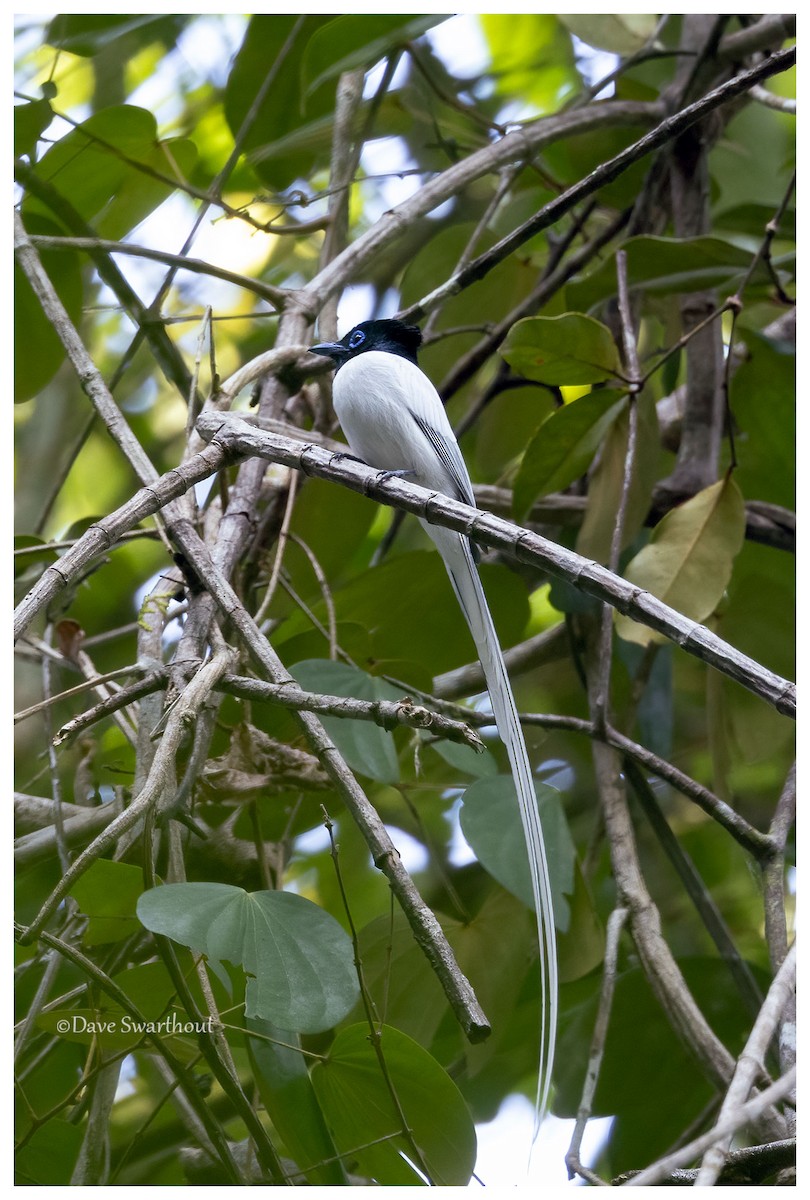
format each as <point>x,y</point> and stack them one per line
<point>357,40</point>
<point>563,447</point>
<point>367,748</point>
<point>581,948</point>
<point>29,122</point>
<point>89,33</point>
<point>38,352</point>
<point>753,219</point>
<point>107,893</point>
<point>390,601</point>
<point>623,33</point>
<point>606,482</point>
<point>356,1101</point>
<point>665,265</point>
<point>96,168</point>
<point>532,58</point>
<point>299,961</point>
<point>286,1091</point>
<point>114,1028</point>
<point>765,440</point>
<point>490,821</point>
<point>688,560</point>
<point>271,141</point>
<point>570,349</point>
<point>645,1064</point>
<point>464,758</point>
<point>48,1158</point>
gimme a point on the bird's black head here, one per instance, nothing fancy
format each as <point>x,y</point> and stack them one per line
<point>393,337</point>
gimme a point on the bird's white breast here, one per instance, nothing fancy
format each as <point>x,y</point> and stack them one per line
<point>376,397</point>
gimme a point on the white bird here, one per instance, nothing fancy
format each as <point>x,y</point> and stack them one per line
<point>394,420</point>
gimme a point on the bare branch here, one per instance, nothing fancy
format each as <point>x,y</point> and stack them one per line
<point>519,543</point>
<point>750,1064</point>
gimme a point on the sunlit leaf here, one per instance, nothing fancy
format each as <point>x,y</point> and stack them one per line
<point>357,40</point>
<point>532,58</point>
<point>105,168</point>
<point>621,33</point>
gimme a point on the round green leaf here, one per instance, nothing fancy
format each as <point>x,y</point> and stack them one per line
<point>298,959</point>
<point>356,1101</point>
<point>571,349</point>
<point>490,821</point>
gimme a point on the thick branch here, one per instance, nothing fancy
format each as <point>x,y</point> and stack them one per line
<point>519,543</point>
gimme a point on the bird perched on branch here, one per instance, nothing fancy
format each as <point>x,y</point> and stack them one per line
<point>394,420</point>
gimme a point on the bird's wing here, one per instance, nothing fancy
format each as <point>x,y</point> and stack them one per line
<point>450,457</point>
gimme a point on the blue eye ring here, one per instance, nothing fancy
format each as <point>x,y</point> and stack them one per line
<point>357,339</point>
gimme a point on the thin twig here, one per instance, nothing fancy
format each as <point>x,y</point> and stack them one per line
<point>573,1160</point>
<point>182,715</point>
<point>197,266</point>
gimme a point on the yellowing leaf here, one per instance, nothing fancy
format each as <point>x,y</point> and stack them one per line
<point>687,562</point>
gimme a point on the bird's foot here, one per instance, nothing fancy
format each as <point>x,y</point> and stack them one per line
<point>386,475</point>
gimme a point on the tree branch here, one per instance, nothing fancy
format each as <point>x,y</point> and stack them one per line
<point>521,544</point>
